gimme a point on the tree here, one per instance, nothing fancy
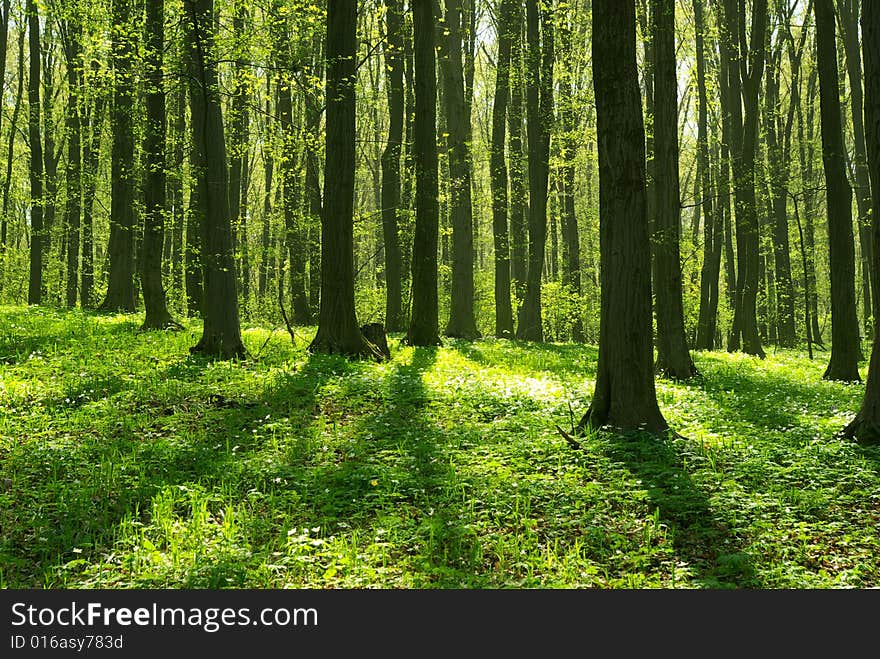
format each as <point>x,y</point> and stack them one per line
<point>458,124</point>
<point>865,427</point>
<point>338,330</point>
<point>71,32</point>
<point>120,284</point>
<point>673,358</point>
<point>221,332</point>
<point>423,324</point>
<point>539,108</point>
<point>391,202</point>
<point>35,280</point>
<point>745,69</point>
<point>845,349</point>
<point>712,212</point>
<point>498,172</point>
<point>624,396</point>
<point>156,308</point>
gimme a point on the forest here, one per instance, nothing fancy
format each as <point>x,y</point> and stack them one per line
<point>440,294</point>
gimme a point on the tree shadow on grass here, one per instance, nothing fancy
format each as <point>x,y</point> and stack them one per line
<point>701,539</point>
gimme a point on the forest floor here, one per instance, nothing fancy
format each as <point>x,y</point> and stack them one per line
<point>126,463</point>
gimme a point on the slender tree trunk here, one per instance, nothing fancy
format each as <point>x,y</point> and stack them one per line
<point>849,23</point>
<point>745,70</point>
<point>571,261</point>
<point>72,208</point>
<point>845,348</point>
<point>155,305</point>
<point>709,272</point>
<point>338,330</point>
<point>673,358</point>
<point>519,208</point>
<point>35,281</point>
<point>462,322</point>
<point>238,170</point>
<point>221,333</point>
<point>10,153</point>
<point>539,107</point>
<point>423,325</point>
<point>498,172</point>
<point>624,396</point>
<point>175,191</point>
<point>268,170</point>
<point>865,427</point>
<point>391,202</point>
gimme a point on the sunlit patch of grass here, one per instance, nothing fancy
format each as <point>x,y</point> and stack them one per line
<point>124,462</point>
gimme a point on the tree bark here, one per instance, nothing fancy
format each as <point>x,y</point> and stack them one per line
<point>745,70</point>
<point>221,333</point>
<point>35,280</point>
<point>519,207</point>
<point>539,108</point>
<point>462,323</point>
<point>845,348</point>
<point>73,204</point>
<point>391,201</point>
<point>155,305</point>
<point>423,326</point>
<point>865,427</point>
<point>338,330</point>
<point>624,397</point>
<point>673,359</point>
<point>120,284</point>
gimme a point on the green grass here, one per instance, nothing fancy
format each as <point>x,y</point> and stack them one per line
<point>124,463</point>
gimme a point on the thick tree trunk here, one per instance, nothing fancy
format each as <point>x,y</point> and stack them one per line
<point>539,108</point>
<point>423,325</point>
<point>865,427</point>
<point>462,322</point>
<point>624,398</point>
<point>120,284</point>
<point>673,358</point>
<point>338,330</point>
<point>221,333</point>
<point>35,280</point>
<point>845,348</point>
<point>391,202</point>
<point>157,315</point>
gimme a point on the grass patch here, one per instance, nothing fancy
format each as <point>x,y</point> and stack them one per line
<point>125,463</point>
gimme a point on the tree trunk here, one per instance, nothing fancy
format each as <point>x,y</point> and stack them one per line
<point>156,308</point>
<point>849,23</point>
<point>462,322</point>
<point>673,359</point>
<point>865,427</point>
<point>35,280</point>
<point>845,348</point>
<point>120,285</point>
<point>624,397</point>
<point>72,208</point>
<point>710,271</point>
<point>394,317</point>
<point>539,108</point>
<point>571,250</point>
<point>519,207</point>
<point>10,153</point>
<point>268,170</point>
<point>221,333</point>
<point>338,330</point>
<point>498,172</point>
<point>423,325</point>
<point>238,170</point>
<point>745,70</point>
